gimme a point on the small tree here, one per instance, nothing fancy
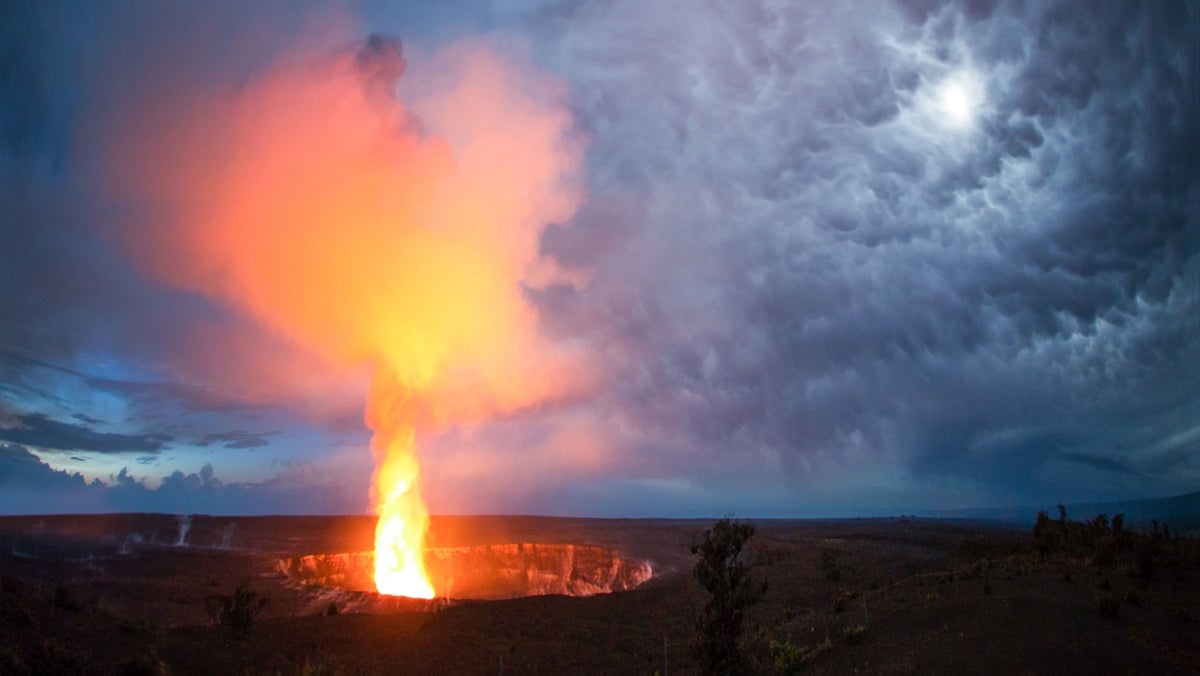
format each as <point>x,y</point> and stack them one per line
<point>726,576</point>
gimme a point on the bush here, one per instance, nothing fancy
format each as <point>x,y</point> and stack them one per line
<point>238,611</point>
<point>839,603</point>
<point>317,663</point>
<point>829,567</point>
<point>721,571</point>
<point>853,633</point>
<point>789,658</point>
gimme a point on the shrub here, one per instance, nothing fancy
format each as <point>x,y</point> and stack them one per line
<point>829,567</point>
<point>839,603</point>
<point>238,611</point>
<point>723,573</point>
<point>853,633</point>
<point>318,664</point>
<point>789,658</point>
<point>1043,535</point>
<point>1145,559</point>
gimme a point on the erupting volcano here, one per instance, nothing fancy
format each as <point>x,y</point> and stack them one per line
<point>396,235</point>
<point>403,521</point>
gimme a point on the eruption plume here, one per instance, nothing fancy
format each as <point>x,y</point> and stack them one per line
<point>315,200</point>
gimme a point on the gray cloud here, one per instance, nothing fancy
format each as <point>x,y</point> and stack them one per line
<point>236,439</point>
<point>35,429</point>
<point>806,276</point>
<point>30,486</point>
<point>820,276</point>
<point>20,468</point>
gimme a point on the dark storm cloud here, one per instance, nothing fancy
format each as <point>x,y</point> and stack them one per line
<point>808,278</point>
<point>1098,462</point>
<point>804,265</point>
<point>30,486</point>
<point>20,468</point>
<point>236,439</point>
<point>27,377</point>
<point>35,429</point>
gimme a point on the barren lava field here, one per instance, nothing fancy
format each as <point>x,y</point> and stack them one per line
<point>119,594</point>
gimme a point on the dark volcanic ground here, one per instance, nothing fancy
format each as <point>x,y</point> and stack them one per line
<point>117,593</point>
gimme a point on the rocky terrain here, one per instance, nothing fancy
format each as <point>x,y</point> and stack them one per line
<point>165,594</point>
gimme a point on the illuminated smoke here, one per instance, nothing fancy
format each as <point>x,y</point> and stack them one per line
<point>316,201</point>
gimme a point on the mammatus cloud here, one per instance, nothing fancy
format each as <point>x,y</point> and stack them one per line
<point>840,258</point>
<point>807,263</point>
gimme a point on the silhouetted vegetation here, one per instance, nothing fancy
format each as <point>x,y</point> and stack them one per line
<point>1104,542</point>
<point>723,573</point>
<point>237,611</point>
<point>829,567</point>
<point>853,633</point>
<point>789,658</point>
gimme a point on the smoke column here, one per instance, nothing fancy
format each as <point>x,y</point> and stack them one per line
<point>316,201</point>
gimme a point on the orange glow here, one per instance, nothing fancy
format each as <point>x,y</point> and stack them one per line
<point>403,521</point>
<point>372,233</point>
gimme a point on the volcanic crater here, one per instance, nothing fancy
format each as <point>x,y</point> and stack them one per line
<point>478,572</point>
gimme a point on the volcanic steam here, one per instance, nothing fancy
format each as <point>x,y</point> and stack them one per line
<point>374,232</point>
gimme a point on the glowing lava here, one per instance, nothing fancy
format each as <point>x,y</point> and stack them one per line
<point>403,519</point>
<point>400,534</point>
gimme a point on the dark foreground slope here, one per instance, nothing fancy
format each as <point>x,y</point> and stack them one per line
<point>113,594</point>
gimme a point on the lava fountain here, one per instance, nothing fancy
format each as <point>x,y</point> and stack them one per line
<point>396,235</point>
<point>403,519</point>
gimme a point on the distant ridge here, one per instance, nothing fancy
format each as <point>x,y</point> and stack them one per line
<point>1181,512</point>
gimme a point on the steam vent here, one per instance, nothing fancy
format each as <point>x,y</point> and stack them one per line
<point>487,571</point>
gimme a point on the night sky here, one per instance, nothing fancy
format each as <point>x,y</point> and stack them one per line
<point>813,258</point>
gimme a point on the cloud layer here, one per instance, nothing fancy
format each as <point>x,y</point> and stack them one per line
<point>832,258</point>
